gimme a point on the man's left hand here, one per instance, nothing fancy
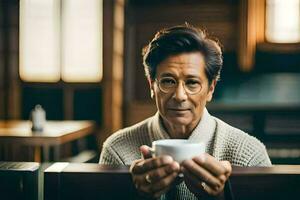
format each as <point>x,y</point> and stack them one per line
<point>206,176</point>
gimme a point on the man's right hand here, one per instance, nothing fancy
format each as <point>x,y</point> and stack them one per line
<point>153,177</point>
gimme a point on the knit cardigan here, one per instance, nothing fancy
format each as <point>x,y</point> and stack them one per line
<point>227,143</point>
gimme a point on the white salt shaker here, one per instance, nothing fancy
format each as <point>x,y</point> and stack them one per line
<point>38,118</point>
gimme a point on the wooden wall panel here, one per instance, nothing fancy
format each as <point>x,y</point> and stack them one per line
<point>9,47</point>
<point>113,37</point>
<point>1,83</point>
<point>251,31</point>
<point>1,62</point>
<point>139,111</point>
<point>14,100</point>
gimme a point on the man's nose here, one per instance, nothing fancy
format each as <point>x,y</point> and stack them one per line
<point>180,93</point>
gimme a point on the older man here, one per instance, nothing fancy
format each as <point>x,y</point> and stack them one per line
<point>182,67</point>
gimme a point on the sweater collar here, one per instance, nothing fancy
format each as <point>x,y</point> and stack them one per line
<point>203,132</point>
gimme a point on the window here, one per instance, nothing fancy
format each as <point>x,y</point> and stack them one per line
<point>61,40</point>
<point>283,21</point>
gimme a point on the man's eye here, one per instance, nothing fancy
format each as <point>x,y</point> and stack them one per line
<point>192,83</point>
<point>168,81</point>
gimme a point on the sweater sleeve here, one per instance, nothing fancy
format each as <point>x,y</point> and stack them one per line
<point>109,157</point>
<point>240,148</point>
<point>260,157</point>
<point>254,152</point>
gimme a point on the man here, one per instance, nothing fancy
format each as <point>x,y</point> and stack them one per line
<point>182,67</point>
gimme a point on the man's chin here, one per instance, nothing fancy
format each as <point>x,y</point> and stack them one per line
<point>179,120</point>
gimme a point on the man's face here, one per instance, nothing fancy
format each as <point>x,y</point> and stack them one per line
<point>182,72</point>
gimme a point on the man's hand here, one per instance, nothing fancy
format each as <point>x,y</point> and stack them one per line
<point>205,176</point>
<point>153,176</point>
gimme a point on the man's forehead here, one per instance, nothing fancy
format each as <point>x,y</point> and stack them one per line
<point>194,58</point>
<point>180,71</point>
<point>177,63</point>
<point>186,67</point>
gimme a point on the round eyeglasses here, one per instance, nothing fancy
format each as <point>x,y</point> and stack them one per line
<point>169,85</point>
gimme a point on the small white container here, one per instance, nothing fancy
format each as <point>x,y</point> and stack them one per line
<point>38,118</point>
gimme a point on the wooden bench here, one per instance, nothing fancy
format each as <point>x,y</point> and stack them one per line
<point>93,181</point>
<point>19,180</point>
<point>280,182</point>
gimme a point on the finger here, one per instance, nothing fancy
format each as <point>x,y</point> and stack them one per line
<point>212,191</point>
<point>134,164</point>
<point>157,186</point>
<point>196,184</point>
<point>226,164</point>
<point>151,163</point>
<point>164,183</point>
<point>160,173</point>
<point>200,192</point>
<point>143,188</point>
<point>192,182</point>
<point>201,174</point>
<point>145,151</point>
<point>157,162</point>
<point>143,185</point>
<point>164,190</point>
<point>140,183</point>
<point>210,163</point>
<point>223,178</point>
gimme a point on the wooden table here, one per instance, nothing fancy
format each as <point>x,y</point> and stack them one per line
<point>55,133</point>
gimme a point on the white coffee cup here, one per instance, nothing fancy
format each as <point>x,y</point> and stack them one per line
<point>178,149</point>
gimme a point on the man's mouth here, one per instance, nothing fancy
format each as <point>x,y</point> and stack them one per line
<point>179,109</point>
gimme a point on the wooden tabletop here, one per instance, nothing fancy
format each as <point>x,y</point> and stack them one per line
<point>55,132</point>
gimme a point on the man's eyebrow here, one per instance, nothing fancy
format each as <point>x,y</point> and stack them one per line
<point>193,76</point>
<point>166,74</point>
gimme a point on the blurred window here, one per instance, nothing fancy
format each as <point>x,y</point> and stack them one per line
<point>39,40</point>
<point>61,40</point>
<point>283,21</point>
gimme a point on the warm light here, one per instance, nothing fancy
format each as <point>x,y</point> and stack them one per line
<point>283,21</point>
<point>39,40</point>
<point>61,39</point>
<point>57,167</point>
<point>81,40</point>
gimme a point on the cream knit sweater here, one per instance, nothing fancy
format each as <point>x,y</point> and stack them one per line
<point>223,141</point>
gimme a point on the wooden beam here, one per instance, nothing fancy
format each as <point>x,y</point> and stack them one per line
<point>6,35</point>
<point>68,102</point>
<point>113,66</point>
<point>252,30</point>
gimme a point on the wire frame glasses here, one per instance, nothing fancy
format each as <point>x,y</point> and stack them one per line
<point>169,85</point>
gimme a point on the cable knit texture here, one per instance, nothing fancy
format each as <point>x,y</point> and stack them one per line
<point>223,141</point>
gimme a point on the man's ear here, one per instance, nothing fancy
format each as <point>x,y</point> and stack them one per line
<point>151,86</point>
<point>211,90</point>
